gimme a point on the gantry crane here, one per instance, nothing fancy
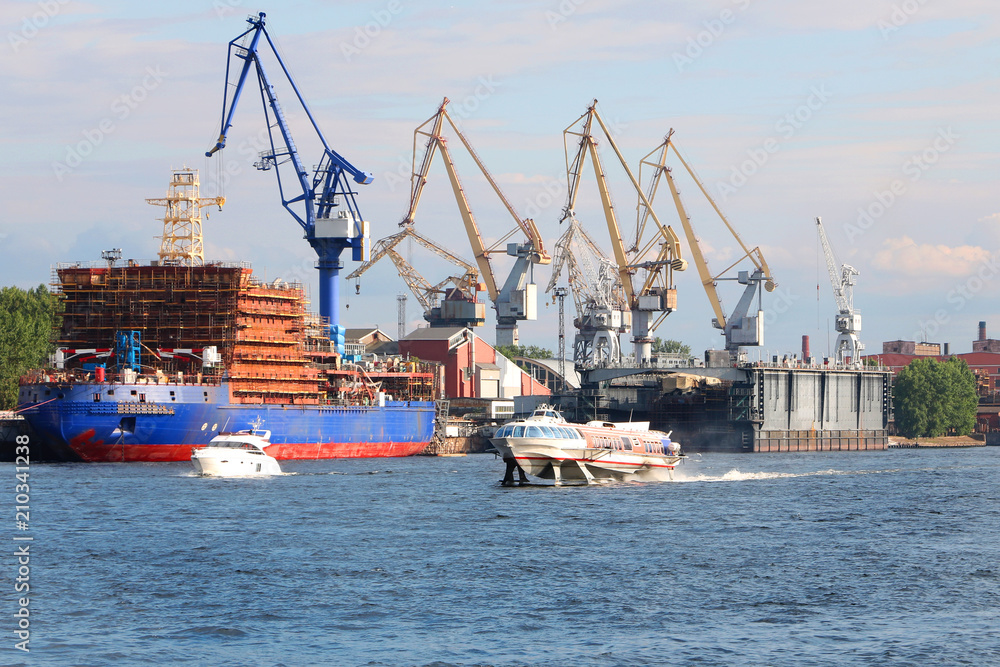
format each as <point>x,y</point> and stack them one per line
<point>327,209</point>
<point>659,255</point>
<point>740,327</point>
<point>602,312</point>
<point>515,300</point>
<point>849,347</point>
<point>459,306</point>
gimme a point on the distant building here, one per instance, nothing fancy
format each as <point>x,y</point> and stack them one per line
<point>984,361</point>
<point>984,344</point>
<point>911,348</point>
<point>371,337</point>
<point>472,368</point>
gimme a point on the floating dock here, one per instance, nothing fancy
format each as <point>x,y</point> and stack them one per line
<point>751,408</point>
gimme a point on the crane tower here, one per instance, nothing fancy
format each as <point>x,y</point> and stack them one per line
<point>181,242</point>
<point>323,202</point>
<point>743,326</point>
<point>848,323</point>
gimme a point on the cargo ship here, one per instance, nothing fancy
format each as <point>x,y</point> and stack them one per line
<point>154,359</point>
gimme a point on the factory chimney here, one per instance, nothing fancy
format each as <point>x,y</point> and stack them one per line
<point>805,347</point>
<point>982,331</point>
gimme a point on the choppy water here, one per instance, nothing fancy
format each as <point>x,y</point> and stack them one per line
<point>867,558</point>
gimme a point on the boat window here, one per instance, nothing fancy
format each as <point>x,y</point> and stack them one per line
<point>533,432</point>
<point>550,414</point>
<point>626,444</point>
<point>518,431</point>
<point>573,433</point>
<point>563,432</point>
<point>548,432</point>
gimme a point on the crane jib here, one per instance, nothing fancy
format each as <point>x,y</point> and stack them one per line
<point>329,232</point>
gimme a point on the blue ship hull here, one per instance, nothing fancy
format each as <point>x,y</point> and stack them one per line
<point>162,422</point>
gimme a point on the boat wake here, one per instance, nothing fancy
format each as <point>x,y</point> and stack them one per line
<point>735,475</point>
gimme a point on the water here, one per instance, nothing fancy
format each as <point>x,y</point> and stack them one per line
<point>783,559</point>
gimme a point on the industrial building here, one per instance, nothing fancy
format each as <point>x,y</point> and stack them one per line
<point>471,367</point>
<point>984,361</point>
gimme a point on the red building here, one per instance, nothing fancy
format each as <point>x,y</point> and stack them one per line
<point>472,368</point>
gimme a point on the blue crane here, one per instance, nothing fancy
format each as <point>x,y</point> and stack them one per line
<point>325,207</point>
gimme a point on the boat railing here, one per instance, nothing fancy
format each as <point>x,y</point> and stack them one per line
<point>80,376</point>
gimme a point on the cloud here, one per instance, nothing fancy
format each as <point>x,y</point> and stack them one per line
<point>905,258</point>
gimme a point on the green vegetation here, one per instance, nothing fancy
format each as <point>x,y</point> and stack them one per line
<point>26,321</point>
<point>529,351</point>
<point>935,398</point>
<point>670,347</point>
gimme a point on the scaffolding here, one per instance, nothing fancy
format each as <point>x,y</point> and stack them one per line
<point>258,329</point>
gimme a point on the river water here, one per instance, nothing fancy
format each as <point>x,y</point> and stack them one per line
<point>868,558</point>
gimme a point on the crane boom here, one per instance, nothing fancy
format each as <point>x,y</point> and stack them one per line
<point>313,203</point>
<point>836,280</point>
<point>848,322</point>
<point>740,327</point>
<point>421,288</point>
<point>513,300</point>
<point>656,292</point>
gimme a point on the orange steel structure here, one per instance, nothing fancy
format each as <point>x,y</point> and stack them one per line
<point>259,329</point>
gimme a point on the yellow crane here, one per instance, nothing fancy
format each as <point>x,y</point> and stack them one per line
<point>515,299</point>
<point>740,328</point>
<point>659,255</point>
<point>459,307</point>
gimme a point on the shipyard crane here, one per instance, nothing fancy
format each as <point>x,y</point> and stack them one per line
<point>602,311</point>
<point>323,204</point>
<point>459,307</point>
<point>848,326</point>
<point>181,243</point>
<point>741,328</point>
<point>515,300</point>
<point>658,256</point>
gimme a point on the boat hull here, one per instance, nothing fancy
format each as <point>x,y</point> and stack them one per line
<point>225,462</point>
<point>98,422</point>
<point>542,459</point>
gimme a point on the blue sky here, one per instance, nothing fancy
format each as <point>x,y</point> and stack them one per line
<point>879,116</point>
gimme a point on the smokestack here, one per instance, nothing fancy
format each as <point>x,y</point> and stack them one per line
<point>805,347</point>
<point>982,331</point>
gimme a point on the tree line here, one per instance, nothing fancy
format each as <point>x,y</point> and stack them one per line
<point>27,318</point>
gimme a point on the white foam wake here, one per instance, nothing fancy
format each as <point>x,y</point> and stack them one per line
<point>735,475</point>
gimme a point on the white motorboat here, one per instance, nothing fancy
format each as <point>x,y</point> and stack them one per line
<point>548,447</point>
<point>235,455</point>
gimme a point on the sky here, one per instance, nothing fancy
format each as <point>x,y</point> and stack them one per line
<point>877,115</point>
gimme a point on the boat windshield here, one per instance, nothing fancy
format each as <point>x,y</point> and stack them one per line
<point>235,444</point>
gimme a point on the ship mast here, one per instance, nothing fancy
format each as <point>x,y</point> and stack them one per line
<point>181,243</point>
